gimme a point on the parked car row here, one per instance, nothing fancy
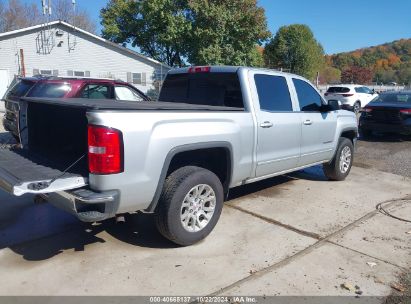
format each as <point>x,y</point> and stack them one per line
<point>61,87</point>
<point>387,112</point>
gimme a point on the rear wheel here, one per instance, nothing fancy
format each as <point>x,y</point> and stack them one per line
<point>340,166</point>
<point>190,205</point>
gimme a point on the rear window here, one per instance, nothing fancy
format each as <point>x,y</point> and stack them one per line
<point>20,89</point>
<point>214,89</point>
<point>338,90</point>
<point>396,98</point>
<point>49,90</point>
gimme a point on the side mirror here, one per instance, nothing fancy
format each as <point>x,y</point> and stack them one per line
<point>333,105</point>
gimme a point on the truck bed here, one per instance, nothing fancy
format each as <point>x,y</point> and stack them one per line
<point>110,104</point>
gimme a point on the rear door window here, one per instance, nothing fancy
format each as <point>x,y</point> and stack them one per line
<point>96,91</point>
<point>273,93</point>
<point>308,97</point>
<point>49,90</point>
<point>214,89</point>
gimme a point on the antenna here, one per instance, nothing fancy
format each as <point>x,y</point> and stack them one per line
<point>72,42</point>
<point>45,38</point>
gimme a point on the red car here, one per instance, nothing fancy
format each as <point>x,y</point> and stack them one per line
<point>60,87</point>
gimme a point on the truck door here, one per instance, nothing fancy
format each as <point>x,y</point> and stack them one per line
<point>317,128</point>
<point>278,126</point>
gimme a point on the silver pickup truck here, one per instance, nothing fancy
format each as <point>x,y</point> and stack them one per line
<point>213,129</point>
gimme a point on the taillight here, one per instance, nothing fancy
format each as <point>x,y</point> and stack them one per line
<point>326,94</point>
<point>199,69</point>
<point>347,95</point>
<point>105,146</point>
<point>367,110</point>
<point>406,111</point>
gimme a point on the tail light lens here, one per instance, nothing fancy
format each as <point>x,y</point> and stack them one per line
<point>406,111</point>
<point>347,95</point>
<point>105,150</point>
<point>367,110</point>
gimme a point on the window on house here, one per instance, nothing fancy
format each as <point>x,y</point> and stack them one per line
<point>79,73</point>
<point>137,78</point>
<point>46,72</point>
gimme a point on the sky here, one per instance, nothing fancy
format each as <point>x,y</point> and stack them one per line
<point>339,25</point>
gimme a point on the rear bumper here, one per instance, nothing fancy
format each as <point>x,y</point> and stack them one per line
<point>87,205</point>
<point>384,127</point>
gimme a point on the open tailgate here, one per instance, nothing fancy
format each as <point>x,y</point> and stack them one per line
<point>21,172</point>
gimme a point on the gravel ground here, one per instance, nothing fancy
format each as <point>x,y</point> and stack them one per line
<point>389,153</point>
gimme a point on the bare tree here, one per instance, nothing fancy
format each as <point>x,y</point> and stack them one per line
<point>63,10</point>
<point>16,15</point>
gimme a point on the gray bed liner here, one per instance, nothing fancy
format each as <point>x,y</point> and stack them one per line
<point>110,104</point>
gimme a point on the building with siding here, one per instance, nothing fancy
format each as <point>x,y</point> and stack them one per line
<point>60,49</point>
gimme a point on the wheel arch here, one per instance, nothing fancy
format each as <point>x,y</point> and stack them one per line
<point>180,156</point>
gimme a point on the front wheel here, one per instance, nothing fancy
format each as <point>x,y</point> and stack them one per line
<point>339,168</point>
<point>190,205</point>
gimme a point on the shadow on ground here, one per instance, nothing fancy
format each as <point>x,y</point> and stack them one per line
<point>54,231</point>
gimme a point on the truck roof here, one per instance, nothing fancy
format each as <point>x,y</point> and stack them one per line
<point>222,69</point>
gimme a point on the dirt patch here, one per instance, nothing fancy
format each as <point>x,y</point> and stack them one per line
<point>401,291</point>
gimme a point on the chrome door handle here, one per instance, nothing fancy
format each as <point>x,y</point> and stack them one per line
<point>266,124</point>
<point>308,122</point>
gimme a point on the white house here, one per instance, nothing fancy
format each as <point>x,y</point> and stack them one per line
<point>59,49</point>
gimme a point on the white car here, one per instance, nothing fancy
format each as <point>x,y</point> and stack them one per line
<point>351,96</point>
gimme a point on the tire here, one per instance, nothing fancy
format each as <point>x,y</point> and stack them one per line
<point>356,107</point>
<point>178,200</point>
<point>336,170</point>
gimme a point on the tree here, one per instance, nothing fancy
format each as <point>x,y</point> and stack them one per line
<point>355,74</point>
<point>63,10</point>
<point>159,28</point>
<point>196,31</point>
<point>226,32</point>
<point>16,15</point>
<point>330,75</point>
<point>295,48</point>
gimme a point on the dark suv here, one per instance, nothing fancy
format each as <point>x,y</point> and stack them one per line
<point>60,87</point>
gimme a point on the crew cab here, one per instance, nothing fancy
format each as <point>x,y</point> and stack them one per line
<point>213,128</point>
